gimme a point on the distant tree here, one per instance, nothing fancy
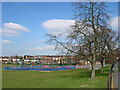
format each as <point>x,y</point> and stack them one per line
<point>107,44</point>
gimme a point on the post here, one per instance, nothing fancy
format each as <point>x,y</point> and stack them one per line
<point>60,62</point>
<point>115,76</point>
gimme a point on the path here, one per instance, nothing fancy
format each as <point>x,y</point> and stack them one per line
<point>115,75</point>
<point>119,81</point>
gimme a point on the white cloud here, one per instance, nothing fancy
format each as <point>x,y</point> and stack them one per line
<point>10,33</point>
<point>15,26</point>
<point>114,23</point>
<point>48,47</point>
<point>45,50</point>
<point>42,48</point>
<point>12,29</point>
<point>57,26</point>
<point>7,42</point>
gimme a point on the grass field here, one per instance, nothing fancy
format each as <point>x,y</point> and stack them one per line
<point>57,79</point>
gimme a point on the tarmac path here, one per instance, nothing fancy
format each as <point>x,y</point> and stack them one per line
<point>115,76</point>
<point>118,77</point>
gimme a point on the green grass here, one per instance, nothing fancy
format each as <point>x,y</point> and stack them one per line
<point>57,79</point>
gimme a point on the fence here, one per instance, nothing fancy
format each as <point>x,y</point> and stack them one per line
<point>110,78</point>
<point>48,68</point>
<point>44,68</point>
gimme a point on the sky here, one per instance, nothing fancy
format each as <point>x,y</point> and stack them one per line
<point>25,25</point>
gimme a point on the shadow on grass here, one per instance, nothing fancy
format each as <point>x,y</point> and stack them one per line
<point>87,74</point>
<point>98,73</point>
<point>83,74</point>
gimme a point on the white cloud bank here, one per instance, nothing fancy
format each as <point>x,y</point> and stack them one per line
<point>42,48</point>
<point>58,26</point>
<point>45,50</point>
<point>114,23</point>
<point>7,42</point>
<point>13,29</point>
<point>15,26</point>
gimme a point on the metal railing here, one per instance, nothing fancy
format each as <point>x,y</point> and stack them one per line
<point>110,78</point>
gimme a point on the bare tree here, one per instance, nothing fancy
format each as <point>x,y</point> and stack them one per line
<point>83,40</point>
<point>90,18</point>
<point>107,43</point>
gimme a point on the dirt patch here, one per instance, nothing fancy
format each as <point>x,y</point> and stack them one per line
<point>44,71</point>
<point>83,85</point>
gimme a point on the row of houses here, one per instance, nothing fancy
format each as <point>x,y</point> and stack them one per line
<point>38,58</point>
<point>46,59</point>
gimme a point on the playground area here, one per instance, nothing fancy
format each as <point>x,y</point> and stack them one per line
<point>46,67</point>
<point>46,63</point>
<point>41,66</point>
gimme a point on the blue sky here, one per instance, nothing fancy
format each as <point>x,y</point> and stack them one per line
<point>31,22</point>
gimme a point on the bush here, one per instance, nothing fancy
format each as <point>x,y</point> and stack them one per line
<point>9,63</point>
<point>74,63</point>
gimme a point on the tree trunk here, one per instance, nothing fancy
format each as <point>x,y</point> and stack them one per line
<point>101,66</point>
<point>104,63</point>
<point>93,69</point>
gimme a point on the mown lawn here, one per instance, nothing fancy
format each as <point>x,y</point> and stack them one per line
<point>57,79</point>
